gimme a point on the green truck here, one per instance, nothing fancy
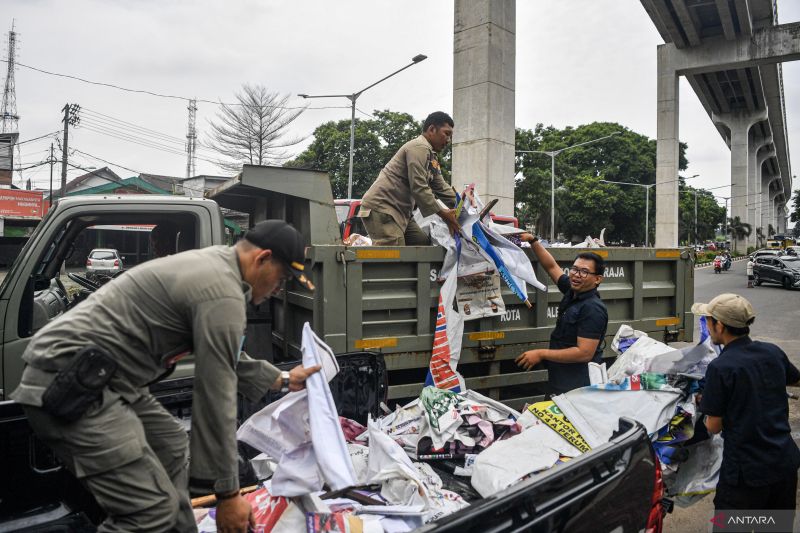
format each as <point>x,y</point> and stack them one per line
<point>385,299</point>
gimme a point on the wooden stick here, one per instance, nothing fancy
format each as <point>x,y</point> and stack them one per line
<point>211,499</point>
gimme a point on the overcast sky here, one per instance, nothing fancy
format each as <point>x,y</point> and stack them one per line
<point>578,61</point>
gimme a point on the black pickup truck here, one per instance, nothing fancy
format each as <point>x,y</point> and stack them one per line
<point>615,487</point>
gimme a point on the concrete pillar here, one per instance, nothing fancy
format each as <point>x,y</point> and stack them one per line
<point>754,183</point>
<point>739,124</point>
<point>773,205</point>
<point>781,212</point>
<point>761,157</point>
<point>764,213</point>
<point>667,150</point>
<point>483,99</point>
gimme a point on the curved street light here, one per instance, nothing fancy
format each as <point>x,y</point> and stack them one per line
<point>553,155</point>
<point>353,97</point>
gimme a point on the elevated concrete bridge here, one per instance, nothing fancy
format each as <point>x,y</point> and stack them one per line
<point>730,51</point>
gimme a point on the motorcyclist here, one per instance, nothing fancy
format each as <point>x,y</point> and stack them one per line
<point>717,264</point>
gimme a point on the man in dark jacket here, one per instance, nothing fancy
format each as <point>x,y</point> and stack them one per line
<point>745,399</point>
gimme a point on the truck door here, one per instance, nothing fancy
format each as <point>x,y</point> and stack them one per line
<point>49,276</point>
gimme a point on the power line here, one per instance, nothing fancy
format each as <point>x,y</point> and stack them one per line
<point>113,128</point>
<point>139,141</point>
<point>160,95</point>
<point>99,117</point>
<point>37,138</point>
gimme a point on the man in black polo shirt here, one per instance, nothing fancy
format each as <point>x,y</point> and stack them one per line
<point>745,398</point>
<point>581,323</point>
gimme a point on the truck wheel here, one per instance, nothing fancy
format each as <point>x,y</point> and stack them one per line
<point>756,280</point>
<point>787,283</point>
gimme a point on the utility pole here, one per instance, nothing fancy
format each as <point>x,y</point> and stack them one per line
<point>695,217</point>
<point>52,160</point>
<point>191,138</point>
<point>70,118</point>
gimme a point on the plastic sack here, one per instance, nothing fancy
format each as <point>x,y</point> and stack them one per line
<point>635,360</point>
<point>625,337</point>
<point>508,461</point>
<point>595,413</point>
<point>698,476</point>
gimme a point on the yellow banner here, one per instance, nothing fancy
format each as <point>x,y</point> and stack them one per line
<point>550,414</point>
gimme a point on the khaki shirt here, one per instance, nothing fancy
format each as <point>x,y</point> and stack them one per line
<point>411,178</point>
<point>147,319</point>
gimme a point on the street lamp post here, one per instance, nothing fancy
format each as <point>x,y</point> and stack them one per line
<point>553,155</point>
<point>725,230</point>
<point>647,206</point>
<point>695,210</point>
<point>353,97</point>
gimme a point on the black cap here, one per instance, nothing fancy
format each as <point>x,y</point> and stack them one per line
<point>286,244</point>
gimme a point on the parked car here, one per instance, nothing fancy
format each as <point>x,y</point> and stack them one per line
<point>105,261</point>
<point>793,250</point>
<point>784,270</point>
<point>765,252</point>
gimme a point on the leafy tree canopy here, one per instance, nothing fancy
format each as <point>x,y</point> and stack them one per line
<point>627,157</point>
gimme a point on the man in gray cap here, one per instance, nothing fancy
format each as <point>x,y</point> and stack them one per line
<point>85,392</point>
<point>745,398</point>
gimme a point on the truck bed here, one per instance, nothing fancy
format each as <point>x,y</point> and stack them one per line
<point>608,488</point>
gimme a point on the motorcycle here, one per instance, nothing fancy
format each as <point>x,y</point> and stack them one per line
<point>726,264</point>
<point>717,266</point>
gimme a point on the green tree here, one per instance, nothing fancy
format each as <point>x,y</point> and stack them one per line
<point>794,215</point>
<point>628,157</point>
<point>710,215</point>
<point>739,230</point>
<point>376,141</point>
<point>587,206</point>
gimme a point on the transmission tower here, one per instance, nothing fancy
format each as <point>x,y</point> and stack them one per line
<point>191,138</point>
<point>8,110</point>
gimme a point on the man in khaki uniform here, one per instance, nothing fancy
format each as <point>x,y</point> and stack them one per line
<point>411,178</point>
<point>116,438</point>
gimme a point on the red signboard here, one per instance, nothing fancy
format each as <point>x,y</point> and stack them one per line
<point>15,203</point>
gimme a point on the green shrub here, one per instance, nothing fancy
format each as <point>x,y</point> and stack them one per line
<point>706,257</point>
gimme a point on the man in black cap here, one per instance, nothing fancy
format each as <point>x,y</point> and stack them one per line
<point>84,387</point>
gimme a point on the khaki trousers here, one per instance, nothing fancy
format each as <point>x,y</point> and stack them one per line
<point>384,231</point>
<point>132,457</point>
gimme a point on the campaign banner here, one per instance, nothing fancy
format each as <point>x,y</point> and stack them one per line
<point>478,296</point>
<point>549,413</point>
<point>16,203</point>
